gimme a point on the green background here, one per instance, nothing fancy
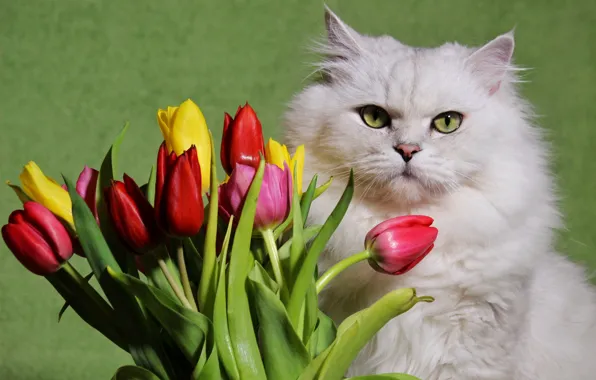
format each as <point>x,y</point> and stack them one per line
<point>72,72</point>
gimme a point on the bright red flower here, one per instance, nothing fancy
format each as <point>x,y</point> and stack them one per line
<point>132,215</point>
<point>178,198</point>
<point>242,140</point>
<point>37,239</point>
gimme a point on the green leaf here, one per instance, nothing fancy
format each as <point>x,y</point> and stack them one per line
<point>260,275</point>
<point>310,313</point>
<point>385,376</point>
<point>188,328</point>
<point>313,368</point>
<point>131,372</point>
<point>151,186</point>
<point>305,276</point>
<point>66,304</point>
<point>220,314</point>
<point>210,370</point>
<point>297,247</point>
<point>323,336</point>
<point>208,276</point>
<point>320,190</point>
<point>19,192</point>
<point>155,275</point>
<point>356,330</point>
<point>284,355</point>
<point>244,342</point>
<point>307,198</point>
<point>307,234</point>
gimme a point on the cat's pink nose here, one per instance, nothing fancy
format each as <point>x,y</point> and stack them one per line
<point>407,151</point>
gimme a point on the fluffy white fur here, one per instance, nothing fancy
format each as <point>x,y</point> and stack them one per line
<point>507,305</point>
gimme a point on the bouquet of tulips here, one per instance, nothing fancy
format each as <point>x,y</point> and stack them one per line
<point>198,279</point>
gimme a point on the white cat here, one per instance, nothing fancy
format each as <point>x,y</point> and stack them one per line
<point>507,306</point>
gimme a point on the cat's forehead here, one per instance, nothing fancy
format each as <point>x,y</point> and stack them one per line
<point>418,81</point>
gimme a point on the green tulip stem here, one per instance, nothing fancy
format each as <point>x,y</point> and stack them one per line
<point>271,247</point>
<point>88,289</point>
<point>184,276</point>
<point>179,293</point>
<point>339,267</point>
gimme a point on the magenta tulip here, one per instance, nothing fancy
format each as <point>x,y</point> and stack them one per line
<point>275,197</point>
<point>86,188</point>
<point>397,245</point>
<point>37,239</point>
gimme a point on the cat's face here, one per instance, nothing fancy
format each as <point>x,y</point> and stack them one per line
<point>412,123</point>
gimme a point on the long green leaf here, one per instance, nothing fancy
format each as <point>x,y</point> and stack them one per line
<point>208,275</point>
<point>284,355</point>
<point>188,328</point>
<point>151,186</point>
<point>321,189</point>
<point>131,372</point>
<point>297,247</point>
<point>305,275</point>
<point>260,275</point>
<point>246,349</point>
<point>155,275</point>
<point>356,330</point>
<point>307,234</point>
<point>307,198</point>
<point>220,314</point>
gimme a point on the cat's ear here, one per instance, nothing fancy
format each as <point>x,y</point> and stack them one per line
<point>340,37</point>
<point>491,62</point>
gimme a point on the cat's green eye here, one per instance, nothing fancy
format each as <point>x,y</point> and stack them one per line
<point>375,116</point>
<point>447,122</point>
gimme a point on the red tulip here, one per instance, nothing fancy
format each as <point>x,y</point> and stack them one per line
<point>275,198</point>
<point>242,141</point>
<point>132,215</point>
<point>37,239</point>
<point>399,244</point>
<point>178,198</point>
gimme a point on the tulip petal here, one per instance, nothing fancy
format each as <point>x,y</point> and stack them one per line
<point>182,201</point>
<point>86,187</point>
<point>246,141</point>
<point>47,192</point>
<point>50,229</point>
<point>398,222</point>
<point>127,218</point>
<point>297,166</point>
<point>29,247</point>
<point>224,153</point>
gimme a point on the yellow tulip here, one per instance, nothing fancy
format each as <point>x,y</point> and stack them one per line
<point>277,154</point>
<point>184,126</point>
<point>46,191</point>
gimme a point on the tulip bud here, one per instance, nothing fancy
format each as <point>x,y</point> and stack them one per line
<point>178,197</point>
<point>275,198</point>
<point>183,127</point>
<point>276,153</point>
<point>399,244</point>
<point>242,140</point>
<point>37,239</point>
<point>132,215</point>
<point>86,187</point>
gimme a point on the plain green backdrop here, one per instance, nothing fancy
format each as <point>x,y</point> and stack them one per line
<point>73,71</point>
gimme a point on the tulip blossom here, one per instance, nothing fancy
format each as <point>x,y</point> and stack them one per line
<point>242,140</point>
<point>132,215</point>
<point>276,153</point>
<point>86,187</point>
<point>178,197</point>
<point>37,239</point>
<point>275,197</point>
<point>185,126</point>
<point>46,191</point>
<point>399,244</point>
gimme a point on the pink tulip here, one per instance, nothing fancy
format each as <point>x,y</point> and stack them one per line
<point>37,239</point>
<point>275,197</point>
<point>399,244</point>
<point>86,186</point>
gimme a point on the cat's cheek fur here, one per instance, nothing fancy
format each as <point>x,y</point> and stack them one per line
<point>508,307</point>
